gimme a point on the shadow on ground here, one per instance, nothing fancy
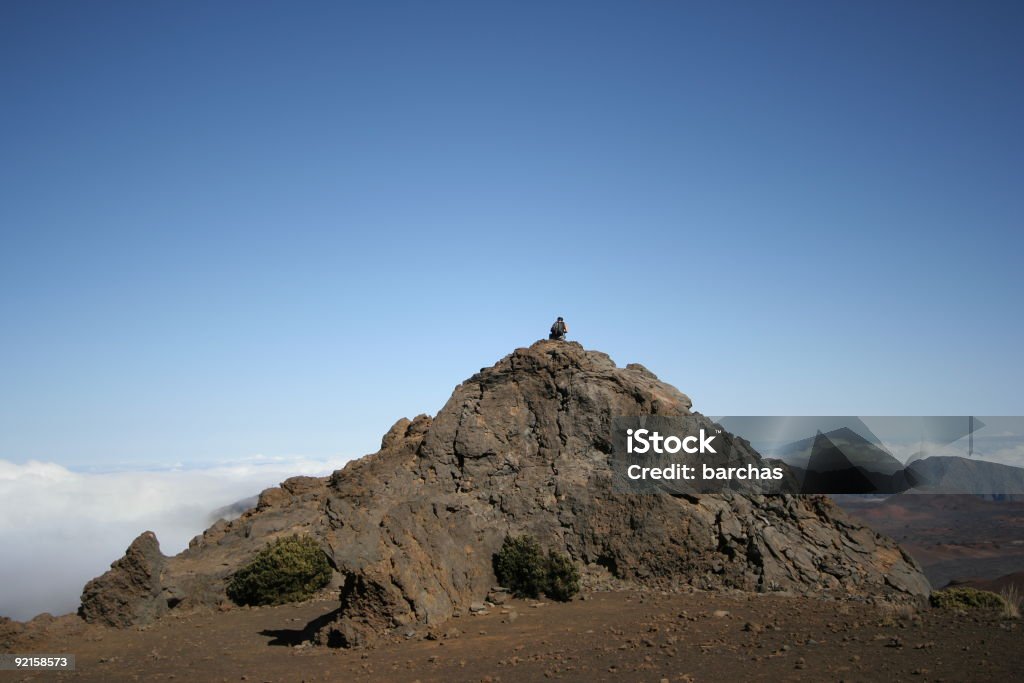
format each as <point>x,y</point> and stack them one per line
<point>292,637</point>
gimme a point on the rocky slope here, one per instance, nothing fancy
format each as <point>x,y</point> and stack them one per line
<point>521,447</point>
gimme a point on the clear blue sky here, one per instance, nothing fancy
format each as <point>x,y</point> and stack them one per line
<point>236,228</point>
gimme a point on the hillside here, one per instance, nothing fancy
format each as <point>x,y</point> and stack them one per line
<point>520,447</point>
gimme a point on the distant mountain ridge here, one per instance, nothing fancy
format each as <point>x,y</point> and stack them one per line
<point>956,474</point>
<point>844,462</point>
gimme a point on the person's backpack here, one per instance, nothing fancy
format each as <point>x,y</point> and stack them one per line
<point>558,328</point>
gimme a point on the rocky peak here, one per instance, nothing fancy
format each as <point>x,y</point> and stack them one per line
<point>523,447</point>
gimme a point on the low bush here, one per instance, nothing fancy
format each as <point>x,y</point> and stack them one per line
<point>563,579</point>
<point>963,599</point>
<point>524,569</point>
<point>520,566</point>
<point>290,569</point>
<point>1012,601</point>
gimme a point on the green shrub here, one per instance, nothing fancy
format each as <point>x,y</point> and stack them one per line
<point>290,569</point>
<point>520,566</point>
<point>523,568</point>
<point>962,599</point>
<point>563,578</point>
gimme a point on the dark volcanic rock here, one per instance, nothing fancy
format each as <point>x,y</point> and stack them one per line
<point>128,593</point>
<point>523,447</point>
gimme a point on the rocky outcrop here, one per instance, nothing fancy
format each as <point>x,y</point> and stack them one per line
<point>523,447</point>
<point>129,592</point>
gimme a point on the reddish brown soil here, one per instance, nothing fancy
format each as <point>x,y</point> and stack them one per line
<point>954,538</point>
<point>608,637</point>
<point>1003,584</point>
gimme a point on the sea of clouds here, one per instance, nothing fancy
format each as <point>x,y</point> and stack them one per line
<point>59,528</point>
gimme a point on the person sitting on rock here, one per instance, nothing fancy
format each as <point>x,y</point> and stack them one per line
<point>559,330</point>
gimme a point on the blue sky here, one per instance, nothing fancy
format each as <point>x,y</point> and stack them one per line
<point>231,229</point>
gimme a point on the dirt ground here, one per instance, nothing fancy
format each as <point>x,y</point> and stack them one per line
<point>952,537</point>
<point>609,636</point>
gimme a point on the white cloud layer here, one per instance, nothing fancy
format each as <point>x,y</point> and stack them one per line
<point>60,528</point>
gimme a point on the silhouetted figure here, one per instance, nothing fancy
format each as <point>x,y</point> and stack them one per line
<point>559,330</point>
